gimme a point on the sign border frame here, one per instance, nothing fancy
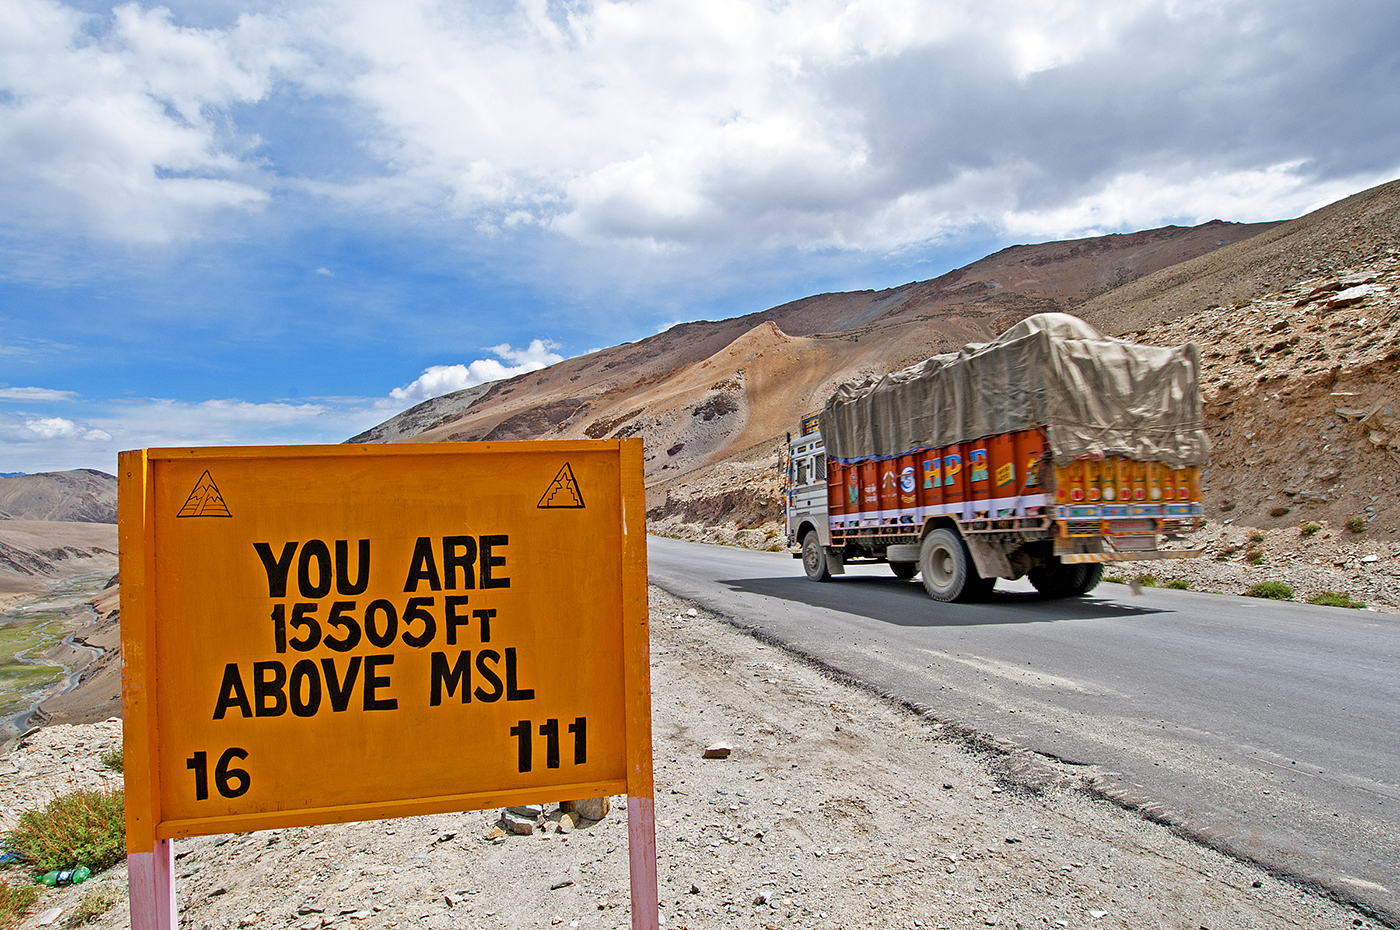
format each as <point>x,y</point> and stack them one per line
<point>147,830</point>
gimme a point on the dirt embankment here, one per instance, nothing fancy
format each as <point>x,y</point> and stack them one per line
<point>1304,416</point>
<point>36,553</point>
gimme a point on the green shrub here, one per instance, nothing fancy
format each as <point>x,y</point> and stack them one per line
<point>82,828</point>
<point>1280,511</point>
<point>1275,590</point>
<point>1254,557</point>
<point>15,902</point>
<point>111,759</point>
<point>1334,599</point>
<point>1180,584</point>
<point>1227,506</point>
<point>1307,529</point>
<point>1356,524</point>
<point>1146,580</point>
<point>1256,537</point>
<point>1116,579</point>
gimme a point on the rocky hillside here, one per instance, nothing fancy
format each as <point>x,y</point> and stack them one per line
<point>1300,391</point>
<point>56,526</point>
<point>1300,329</point>
<point>1350,233</point>
<point>79,496</point>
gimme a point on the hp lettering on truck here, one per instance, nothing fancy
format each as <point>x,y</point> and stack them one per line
<point>1044,453</point>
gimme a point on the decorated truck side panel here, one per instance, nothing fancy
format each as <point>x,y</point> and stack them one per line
<point>1016,502</point>
<point>1002,495</point>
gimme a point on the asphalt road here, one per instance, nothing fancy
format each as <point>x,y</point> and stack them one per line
<point>1269,730</point>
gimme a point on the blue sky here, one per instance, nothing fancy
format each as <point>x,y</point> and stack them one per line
<point>227,222</point>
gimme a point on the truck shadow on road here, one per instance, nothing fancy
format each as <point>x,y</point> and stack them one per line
<point>904,603</point>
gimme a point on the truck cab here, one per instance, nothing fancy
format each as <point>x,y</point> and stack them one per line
<point>805,495</point>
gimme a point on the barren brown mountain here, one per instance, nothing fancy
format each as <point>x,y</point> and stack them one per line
<point>79,496</point>
<point>712,399</point>
<point>55,526</point>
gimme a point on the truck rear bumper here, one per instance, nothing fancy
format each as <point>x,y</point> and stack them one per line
<point>1144,556</point>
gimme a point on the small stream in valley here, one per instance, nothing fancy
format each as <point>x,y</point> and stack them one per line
<point>38,655</point>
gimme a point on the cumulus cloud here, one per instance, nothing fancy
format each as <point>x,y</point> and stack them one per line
<point>120,127</point>
<point>866,125</point>
<point>444,379</point>
<point>812,124</point>
<point>63,428</point>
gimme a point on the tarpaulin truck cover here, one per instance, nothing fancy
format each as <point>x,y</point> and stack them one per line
<point>1093,394</point>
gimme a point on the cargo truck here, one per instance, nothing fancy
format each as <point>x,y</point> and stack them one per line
<point>1043,454</point>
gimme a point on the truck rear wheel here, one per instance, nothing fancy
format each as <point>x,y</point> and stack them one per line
<point>945,565</point>
<point>814,559</point>
<point>1092,576</point>
<point>979,589</point>
<point>1061,580</point>
<point>904,569</point>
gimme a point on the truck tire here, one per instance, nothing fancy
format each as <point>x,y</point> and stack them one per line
<point>904,569</point>
<point>979,589</point>
<point>1056,579</point>
<point>1092,576</point>
<point>814,559</point>
<point>946,566</point>
<point>1061,580</point>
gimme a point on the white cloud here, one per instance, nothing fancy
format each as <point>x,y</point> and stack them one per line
<point>56,443</point>
<point>444,379</point>
<point>38,395</point>
<point>860,125</point>
<point>61,427</point>
<point>1135,199</point>
<point>831,124</point>
<point>122,131</point>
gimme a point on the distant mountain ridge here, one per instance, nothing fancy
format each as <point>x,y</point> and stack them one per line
<point>83,495</point>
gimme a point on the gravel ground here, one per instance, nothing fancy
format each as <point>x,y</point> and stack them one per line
<point>834,809</point>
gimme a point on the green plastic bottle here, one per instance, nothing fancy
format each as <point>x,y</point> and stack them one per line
<point>81,874</point>
<point>49,878</point>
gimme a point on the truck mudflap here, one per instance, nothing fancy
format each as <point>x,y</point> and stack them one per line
<point>1143,556</point>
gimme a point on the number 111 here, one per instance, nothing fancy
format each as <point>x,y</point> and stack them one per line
<point>524,734</point>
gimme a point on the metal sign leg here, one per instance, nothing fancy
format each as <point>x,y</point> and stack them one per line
<point>151,887</point>
<point>641,854</point>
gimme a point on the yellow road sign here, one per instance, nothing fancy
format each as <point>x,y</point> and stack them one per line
<point>318,634</point>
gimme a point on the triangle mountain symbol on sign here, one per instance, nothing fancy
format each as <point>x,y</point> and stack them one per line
<point>205,500</point>
<point>563,492</point>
